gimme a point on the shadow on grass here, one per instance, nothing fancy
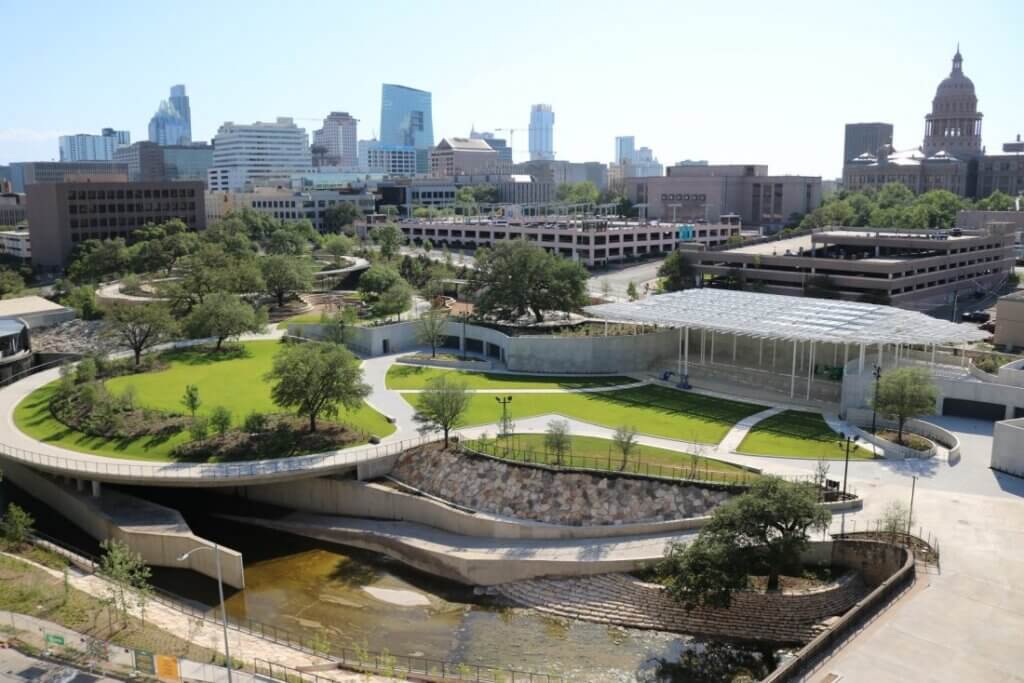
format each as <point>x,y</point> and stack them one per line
<point>206,355</point>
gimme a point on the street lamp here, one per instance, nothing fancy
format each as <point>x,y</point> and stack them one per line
<point>504,401</point>
<point>877,372</point>
<point>220,589</point>
<point>850,440</point>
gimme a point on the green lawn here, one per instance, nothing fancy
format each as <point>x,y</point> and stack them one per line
<point>416,377</point>
<point>797,434</point>
<point>596,453</point>
<point>652,410</point>
<point>311,318</point>
<point>233,382</point>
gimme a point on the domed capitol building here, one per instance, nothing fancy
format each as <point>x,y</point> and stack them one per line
<point>951,157</point>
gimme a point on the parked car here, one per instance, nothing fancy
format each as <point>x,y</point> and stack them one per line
<point>975,317</point>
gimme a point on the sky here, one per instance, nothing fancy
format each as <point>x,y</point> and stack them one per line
<point>730,82</point>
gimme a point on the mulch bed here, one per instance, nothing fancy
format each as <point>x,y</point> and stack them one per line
<point>285,436</point>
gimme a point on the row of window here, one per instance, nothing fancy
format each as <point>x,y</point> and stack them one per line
<point>165,193</point>
<point>683,197</point>
<point>82,209</point>
<point>123,221</point>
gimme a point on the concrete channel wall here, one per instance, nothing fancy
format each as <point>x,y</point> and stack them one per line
<point>159,534</point>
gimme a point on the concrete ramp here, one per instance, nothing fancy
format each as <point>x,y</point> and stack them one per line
<point>158,533</point>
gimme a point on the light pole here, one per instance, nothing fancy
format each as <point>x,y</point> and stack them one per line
<point>846,467</point>
<point>877,372</point>
<point>910,514</point>
<point>504,401</point>
<point>220,589</point>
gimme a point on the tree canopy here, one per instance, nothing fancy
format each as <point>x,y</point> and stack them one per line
<point>388,238</point>
<point>583,192</point>
<point>760,532</point>
<point>224,316</point>
<point>140,326</point>
<point>514,278</point>
<point>283,275</point>
<point>336,218</point>
<point>904,393</point>
<point>676,272</point>
<point>442,404</point>
<point>317,380</point>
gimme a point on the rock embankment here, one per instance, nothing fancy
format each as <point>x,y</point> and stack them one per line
<point>543,495</point>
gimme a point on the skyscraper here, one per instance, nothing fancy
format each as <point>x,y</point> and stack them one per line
<point>625,149</point>
<point>542,133</point>
<point>172,122</point>
<point>406,119</point>
<point>85,147</point>
<point>864,138</point>
<point>247,155</point>
<point>335,143</point>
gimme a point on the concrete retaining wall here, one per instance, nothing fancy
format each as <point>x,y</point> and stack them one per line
<point>1008,447</point>
<point>943,437</point>
<point>159,534</point>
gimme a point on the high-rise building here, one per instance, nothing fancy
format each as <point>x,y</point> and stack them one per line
<point>542,133</point>
<point>406,119</point>
<point>172,122</point>
<point>499,145</point>
<point>390,159</point>
<point>335,143</point>
<point>463,156</point>
<point>25,173</point>
<point>247,155</point>
<point>148,161</point>
<point>85,147</point>
<point>625,148</point>
<point>865,138</point>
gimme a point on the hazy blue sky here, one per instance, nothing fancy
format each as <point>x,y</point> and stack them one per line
<point>725,81</point>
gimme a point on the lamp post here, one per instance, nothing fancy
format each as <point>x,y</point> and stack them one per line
<point>220,589</point>
<point>850,440</point>
<point>504,401</point>
<point>877,372</point>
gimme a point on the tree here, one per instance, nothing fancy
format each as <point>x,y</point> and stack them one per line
<point>393,300</point>
<point>334,327</point>
<point>904,393</point>
<point>997,201</point>
<point>388,238</point>
<point>557,439</point>
<point>631,291</point>
<point>625,440</point>
<point>430,329</point>
<point>287,242</point>
<point>95,260</point>
<point>336,218</point>
<point>762,531</point>
<point>338,246</point>
<point>220,420</point>
<point>224,316</point>
<point>317,379</point>
<point>17,525</point>
<point>10,282</point>
<point>283,275</point>
<point>126,574</point>
<point>677,272</point>
<point>81,298</point>
<point>896,519</point>
<point>376,279</point>
<point>442,404</point>
<point>140,326</point>
<point>515,278</point>
<point>584,192</point>
<point>190,399</point>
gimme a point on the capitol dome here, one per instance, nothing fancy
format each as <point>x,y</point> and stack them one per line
<point>954,124</point>
<point>956,85</point>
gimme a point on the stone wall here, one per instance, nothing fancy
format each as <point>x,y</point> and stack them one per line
<point>539,494</point>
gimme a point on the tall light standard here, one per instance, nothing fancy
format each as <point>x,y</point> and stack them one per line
<point>850,440</point>
<point>220,589</point>
<point>504,401</point>
<point>877,372</point>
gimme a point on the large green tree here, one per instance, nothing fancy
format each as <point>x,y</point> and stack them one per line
<point>338,217</point>
<point>677,272</point>
<point>760,532</point>
<point>375,280</point>
<point>904,393</point>
<point>317,380</point>
<point>583,192</point>
<point>515,278</point>
<point>224,316</point>
<point>443,404</point>
<point>388,238</point>
<point>140,326</point>
<point>283,275</point>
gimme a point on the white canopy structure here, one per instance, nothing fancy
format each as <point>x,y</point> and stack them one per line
<point>806,323</point>
<point>774,316</point>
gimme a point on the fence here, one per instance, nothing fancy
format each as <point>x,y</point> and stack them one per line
<point>418,668</point>
<point>349,656</point>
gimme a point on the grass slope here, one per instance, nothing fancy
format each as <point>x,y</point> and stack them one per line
<point>416,377</point>
<point>798,434</point>
<point>652,410</point>
<point>235,382</point>
<point>595,452</point>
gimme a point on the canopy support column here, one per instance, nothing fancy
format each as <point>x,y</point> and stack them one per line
<point>933,355</point>
<point>860,361</point>
<point>734,338</point>
<point>712,347</point>
<point>686,353</point>
<point>792,374</point>
<point>810,369</point>
<point>679,355</point>
<point>760,352</point>
<point>881,354</point>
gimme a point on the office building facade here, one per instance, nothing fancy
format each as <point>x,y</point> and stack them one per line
<point>150,161</point>
<point>463,156</point>
<point>286,205</point>
<point>62,215</point>
<point>25,173</point>
<point>85,147</point>
<point>172,122</point>
<point>499,145</point>
<point>388,159</point>
<point>861,138</point>
<point>625,148</point>
<point>542,133</point>
<point>335,143</point>
<point>247,155</point>
<point>406,119</point>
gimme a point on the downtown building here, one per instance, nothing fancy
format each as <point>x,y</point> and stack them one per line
<point>951,156</point>
<point>335,143</point>
<point>25,173</point>
<point>148,161</point>
<point>284,204</point>
<point>85,147</point>
<point>172,122</point>
<point>248,155</point>
<point>542,133</point>
<point>406,120</point>
<point>465,156</point>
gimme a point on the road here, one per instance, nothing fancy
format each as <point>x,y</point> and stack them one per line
<point>618,279</point>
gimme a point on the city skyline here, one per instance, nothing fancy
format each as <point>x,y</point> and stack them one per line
<point>793,121</point>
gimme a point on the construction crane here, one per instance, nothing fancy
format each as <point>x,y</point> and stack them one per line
<point>511,136</point>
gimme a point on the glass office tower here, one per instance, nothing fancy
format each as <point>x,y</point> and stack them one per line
<point>406,119</point>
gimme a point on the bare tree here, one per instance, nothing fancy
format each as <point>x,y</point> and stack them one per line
<point>430,329</point>
<point>625,441</point>
<point>557,439</point>
<point>442,404</point>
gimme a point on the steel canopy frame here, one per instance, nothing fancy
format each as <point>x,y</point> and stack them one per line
<point>791,318</point>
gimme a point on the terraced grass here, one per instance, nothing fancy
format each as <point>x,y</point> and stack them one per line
<point>234,381</point>
<point>416,377</point>
<point>652,410</point>
<point>596,453</point>
<point>798,434</point>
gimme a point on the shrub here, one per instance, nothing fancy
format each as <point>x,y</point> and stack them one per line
<point>255,423</point>
<point>86,371</point>
<point>126,400</point>
<point>220,420</point>
<point>17,525</point>
<point>199,429</point>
